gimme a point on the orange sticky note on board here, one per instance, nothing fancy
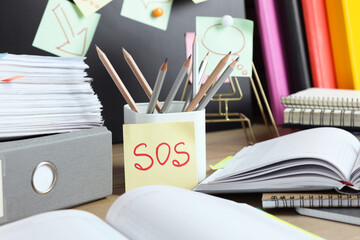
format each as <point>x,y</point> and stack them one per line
<point>160,154</point>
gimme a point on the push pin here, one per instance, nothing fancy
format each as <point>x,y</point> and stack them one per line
<point>158,12</point>
<point>227,21</point>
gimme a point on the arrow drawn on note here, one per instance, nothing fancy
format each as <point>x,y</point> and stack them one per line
<point>72,39</point>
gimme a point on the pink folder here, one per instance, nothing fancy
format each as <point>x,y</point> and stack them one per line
<point>273,56</point>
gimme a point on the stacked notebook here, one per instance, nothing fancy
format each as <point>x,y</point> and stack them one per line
<point>326,205</point>
<point>322,107</point>
<point>42,95</point>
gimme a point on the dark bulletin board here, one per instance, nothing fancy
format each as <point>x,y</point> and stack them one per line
<point>19,20</point>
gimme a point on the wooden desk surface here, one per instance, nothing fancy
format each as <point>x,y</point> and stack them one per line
<point>220,145</point>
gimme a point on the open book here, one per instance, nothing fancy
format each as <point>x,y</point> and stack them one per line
<point>157,212</point>
<point>313,159</point>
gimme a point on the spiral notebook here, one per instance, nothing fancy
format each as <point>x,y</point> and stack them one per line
<point>322,107</point>
<point>345,215</point>
<point>309,199</point>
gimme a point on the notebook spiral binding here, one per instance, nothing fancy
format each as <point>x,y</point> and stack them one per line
<point>330,200</point>
<point>321,113</point>
<point>320,102</point>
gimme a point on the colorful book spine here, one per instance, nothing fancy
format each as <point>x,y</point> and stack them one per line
<point>319,45</point>
<point>273,56</point>
<point>344,24</point>
<point>294,42</point>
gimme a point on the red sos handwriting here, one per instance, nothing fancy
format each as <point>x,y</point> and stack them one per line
<point>149,162</point>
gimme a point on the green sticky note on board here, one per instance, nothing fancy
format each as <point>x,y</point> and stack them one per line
<point>64,31</point>
<point>141,11</point>
<point>219,40</point>
<point>88,7</point>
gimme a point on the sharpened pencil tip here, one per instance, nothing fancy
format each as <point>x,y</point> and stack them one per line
<point>189,57</point>
<point>207,54</point>
<point>195,39</point>
<point>229,52</point>
<point>237,59</point>
<point>124,51</point>
<point>98,50</point>
<point>164,65</point>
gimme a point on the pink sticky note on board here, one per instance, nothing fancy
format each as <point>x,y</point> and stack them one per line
<point>189,39</point>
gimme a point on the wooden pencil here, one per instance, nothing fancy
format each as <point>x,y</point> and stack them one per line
<point>175,87</point>
<point>120,85</point>
<point>157,88</point>
<point>139,76</point>
<point>208,83</point>
<point>202,68</point>
<point>205,100</point>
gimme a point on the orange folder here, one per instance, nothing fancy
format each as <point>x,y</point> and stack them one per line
<point>344,25</point>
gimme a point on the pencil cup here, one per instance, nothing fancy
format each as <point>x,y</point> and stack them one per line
<point>172,127</point>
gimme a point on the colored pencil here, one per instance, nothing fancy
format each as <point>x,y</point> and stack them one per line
<point>175,87</point>
<point>120,85</point>
<point>158,84</point>
<point>217,85</point>
<point>208,83</point>
<point>139,76</point>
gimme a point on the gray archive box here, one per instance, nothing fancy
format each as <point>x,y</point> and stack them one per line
<point>77,164</point>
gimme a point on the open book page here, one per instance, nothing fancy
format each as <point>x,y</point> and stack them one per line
<point>325,146</point>
<point>355,175</point>
<point>60,225</point>
<point>164,212</point>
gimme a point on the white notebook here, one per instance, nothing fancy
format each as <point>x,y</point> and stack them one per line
<point>323,98</point>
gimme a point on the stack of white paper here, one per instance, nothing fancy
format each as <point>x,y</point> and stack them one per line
<point>43,95</point>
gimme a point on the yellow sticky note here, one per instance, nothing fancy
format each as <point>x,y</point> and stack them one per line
<point>160,154</point>
<point>222,164</point>
<point>88,7</point>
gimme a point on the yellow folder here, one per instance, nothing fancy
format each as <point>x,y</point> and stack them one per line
<point>344,26</point>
